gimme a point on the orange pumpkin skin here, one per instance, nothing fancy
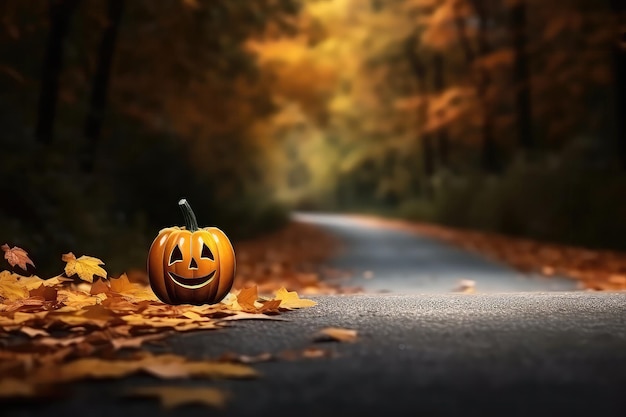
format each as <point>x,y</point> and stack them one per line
<point>191,267</point>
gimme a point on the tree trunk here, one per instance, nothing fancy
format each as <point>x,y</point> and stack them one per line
<point>619,75</point>
<point>442,138</point>
<point>60,13</point>
<point>488,151</point>
<point>419,71</point>
<point>521,76</point>
<point>100,85</point>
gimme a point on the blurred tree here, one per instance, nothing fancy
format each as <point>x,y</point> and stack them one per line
<point>100,84</point>
<point>439,86</point>
<point>618,50</point>
<point>483,81</point>
<point>60,13</point>
<point>419,72</point>
<point>521,74</point>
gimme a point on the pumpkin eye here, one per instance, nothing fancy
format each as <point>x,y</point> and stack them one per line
<point>176,256</point>
<point>206,252</point>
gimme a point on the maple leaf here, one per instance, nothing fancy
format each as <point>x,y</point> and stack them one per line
<point>292,299</point>
<point>99,287</point>
<point>171,396</point>
<point>16,256</point>
<point>122,285</point>
<point>247,297</point>
<point>10,288</point>
<point>45,292</point>
<point>132,291</point>
<point>336,334</point>
<point>85,267</point>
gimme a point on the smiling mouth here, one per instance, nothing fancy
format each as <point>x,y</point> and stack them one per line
<point>192,283</point>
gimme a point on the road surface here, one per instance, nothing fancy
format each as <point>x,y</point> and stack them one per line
<point>557,353</point>
<point>383,259</point>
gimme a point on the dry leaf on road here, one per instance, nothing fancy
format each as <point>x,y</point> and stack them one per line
<point>292,299</point>
<point>160,366</point>
<point>336,334</point>
<point>85,267</point>
<point>247,297</point>
<point>16,256</point>
<point>172,396</point>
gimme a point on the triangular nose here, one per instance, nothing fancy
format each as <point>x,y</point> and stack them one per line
<point>193,264</point>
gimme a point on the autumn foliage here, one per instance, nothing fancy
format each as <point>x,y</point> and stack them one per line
<point>76,322</point>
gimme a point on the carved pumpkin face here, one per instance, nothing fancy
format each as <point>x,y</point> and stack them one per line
<point>191,266</point>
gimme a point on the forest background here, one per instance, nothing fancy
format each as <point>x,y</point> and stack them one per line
<point>497,115</point>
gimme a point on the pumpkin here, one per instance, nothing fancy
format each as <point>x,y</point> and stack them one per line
<point>191,265</point>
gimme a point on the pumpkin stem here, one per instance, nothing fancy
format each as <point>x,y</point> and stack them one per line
<point>190,218</point>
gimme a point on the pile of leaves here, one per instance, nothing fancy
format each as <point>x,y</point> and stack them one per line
<point>594,269</point>
<point>292,257</point>
<point>83,324</point>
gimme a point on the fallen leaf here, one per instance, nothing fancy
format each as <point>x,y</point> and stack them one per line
<point>10,287</point>
<point>269,306</point>
<point>233,357</point>
<point>30,332</point>
<point>122,285</point>
<point>45,292</point>
<point>467,286</point>
<point>16,256</point>
<point>12,387</point>
<point>292,300</point>
<point>172,370</point>
<point>315,353</point>
<point>134,342</point>
<point>99,287</point>
<point>161,366</point>
<point>336,334</point>
<point>85,267</point>
<point>247,297</point>
<point>250,316</point>
<point>172,396</point>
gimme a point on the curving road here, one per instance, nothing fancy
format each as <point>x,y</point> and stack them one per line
<point>552,353</point>
<point>388,260</point>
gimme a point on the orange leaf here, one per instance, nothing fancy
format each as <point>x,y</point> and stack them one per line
<point>122,284</point>
<point>247,297</point>
<point>16,256</point>
<point>172,396</point>
<point>47,293</point>
<point>336,334</point>
<point>99,287</point>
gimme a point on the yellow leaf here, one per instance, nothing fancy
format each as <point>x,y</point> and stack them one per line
<point>10,288</point>
<point>230,301</point>
<point>172,397</point>
<point>85,267</point>
<point>292,300</point>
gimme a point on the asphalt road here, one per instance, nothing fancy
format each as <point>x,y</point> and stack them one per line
<point>502,354</point>
<point>382,259</point>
